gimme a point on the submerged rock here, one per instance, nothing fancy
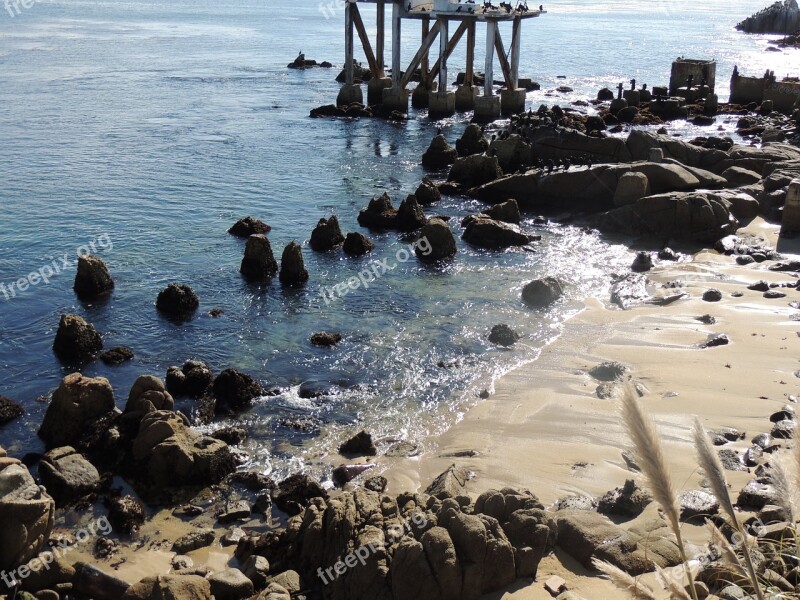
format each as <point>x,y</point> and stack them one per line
<point>76,340</point>
<point>248,226</point>
<point>326,235</point>
<point>178,301</point>
<point>258,263</point>
<point>503,335</point>
<point>427,193</point>
<point>193,379</point>
<point>9,410</point>
<point>440,241</point>
<point>293,269</point>
<point>236,390</point>
<point>326,339</point>
<point>488,233</point>
<point>542,292</point>
<point>92,278</point>
<point>117,355</point>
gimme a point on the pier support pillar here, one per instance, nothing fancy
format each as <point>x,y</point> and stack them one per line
<point>442,104</point>
<point>465,97</point>
<point>375,89</point>
<point>491,33</point>
<point>487,109</point>
<point>395,99</point>
<point>421,96</point>
<point>349,94</point>
<point>512,102</point>
<point>380,37</point>
<point>396,33</point>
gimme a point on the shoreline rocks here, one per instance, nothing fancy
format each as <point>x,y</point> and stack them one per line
<point>177,301</point>
<point>76,340</point>
<point>293,269</point>
<point>326,235</point>
<point>259,263</point>
<point>92,279</point>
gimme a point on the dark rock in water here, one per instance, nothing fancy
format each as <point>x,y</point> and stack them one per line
<point>326,235</point>
<point>784,430</point>
<point>194,541</point>
<point>293,269</point>
<point>376,484</point>
<point>756,495</point>
<point>643,262</point>
<point>76,340</point>
<point>328,110</point>
<point>668,254</point>
<point>542,292</point>
<point>731,460</point>
<point>508,212</point>
<point>248,226</point>
<point>472,141</point>
<point>780,18</point>
<point>718,339</point>
<point>346,473</point>
<point>605,95</point>
<point>707,319</point>
<point>712,295</point>
<point>9,410</point>
<point>410,216</point>
<point>629,500</point>
<point>450,484</point>
<point>194,379</point>
<point>697,503</point>
<point>67,475</point>
<point>126,514</point>
<point>178,301</point>
<point>359,445</point>
<point>503,335</point>
<point>357,244</point>
<point>236,390</point>
<point>488,233</point>
<point>117,356</point>
<point>475,170</point>
<point>326,339</point>
<point>427,193</point>
<point>296,492</point>
<point>258,263</point>
<point>440,242</point>
<point>233,436</point>
<point>628,290</point>
<point>379,214</point>
<point>439,154</point>
<point>610,371</point>
<point>92,278</point>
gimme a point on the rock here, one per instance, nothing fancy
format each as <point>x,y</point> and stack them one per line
<point>168,455</point>
<point>697,503</point>
<point>288,580</point>
<point>126,514</point>
<point>293,269</point>
<point>9,410</point>
<point>541,293</point>
<point>555,585</point>
<point>295,493</point>
<point>92,278</point>
<point>762,440</point>
<point>488,233</point>
<point>737,176</point>
<point>235,511</point>
<point>76,340</point>
<point>712,295</point>
<point>449,484</point>
<point>475,170</point>
<point>356,244</point>
<point>27,513</point>
<point>343,474</point>
<point>258,263</point>
<point>753,456</point>
<point>181,562</point>
<point>503,335</point>
<point>77,404</point>
<point>236,390</point>
<point>326,339</point>
<point>629,290</point>
<point>472,141</point>
<point>48,573</point>
<point>170,587</point>
<point>427,193</point>
<point>376,484</point>
<point>714,340</point>
<point>512,152</point>
<point>359,445</point>
<point>230,584</point>
<point>605,95</point>
<point>147,395</point>
<point>629,500</point>
<point>631,188</point>
<point>326,235</point>
<point>439,154</point>
<point>67,475</point>
<point>784,430</point>
<point>193,379</point>
<point>774,294</point>
<point>441,244</point>
<point>379,214</point>
<point>91,582</point>
<point>643,262</point>
<point>731,460</point>
<point>193,540</point>
<point>409,216</point>
<point>508,212</point>
<point>248,226</point>
<point>256,569</point>
<point>178,301</point>
<point>773,514</point>
<point>756,496</point>
<point>116,356</point>
<point>668,254</point>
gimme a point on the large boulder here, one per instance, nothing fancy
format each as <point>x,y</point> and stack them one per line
<point>147,395</point>
<point>472,141</point>
<point>379,214</point>
<point>540,293</point>
<point>193,379</point>
<point>236,390</point>
<point>67,475</point>
<point>170,587</point>
<point>77,404</point>
<point>357,244</point>
<point>488,233</point>
<point>738,176</point>
<point>427,193</point>
<point>91,582</point>
<point>549,143</point>
<point>508,212</point>
<point>439,154</point>
<point>258,262</point>
<point>177,301</point>
<point>293,268</point>
<point>26,512</point>
<point>326,235</point>
<point>92,278</point>
<point>512,153</point>
<point>76,340</point>
<point>475,170</point>
<point>439,242</point>
<point>410,216</point>
<point>639,144</point>
<point>631,188</point>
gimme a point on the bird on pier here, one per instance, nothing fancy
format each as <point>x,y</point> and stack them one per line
<point>541,8</point>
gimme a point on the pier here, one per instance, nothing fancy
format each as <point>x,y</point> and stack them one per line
<point>448,23</point>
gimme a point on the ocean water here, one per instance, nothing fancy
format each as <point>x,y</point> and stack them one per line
<point>148,128</point>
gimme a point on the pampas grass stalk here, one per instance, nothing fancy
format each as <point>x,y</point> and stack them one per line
<point>718,540</point>
<point>650,457</point>
<point>623,581</point>
<point>715,473</point>
<point>785,475</point>
<point>675,589</point>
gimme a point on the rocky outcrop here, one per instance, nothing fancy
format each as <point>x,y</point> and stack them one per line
<point>410,216</point>
<point>293,268</point>
<point>147,395</point>
<point>439,154</point>
<point>92,279</point>
<point>76,340</point>
<point>542,292</point>
<point>472,141</point>
<point>379,214</point>
<point>475,170</point>
<point>177,301</point>
<point>117,355</point>
<point>503,335</point>
<point>508,212</point>
<point>513,153</point>
<point>488,233</point>
<point>325,339</point>
<point>427,193</point>
<point>359,445</point>
<point>782,17</point>
<point>67,475</point>
<point>440,241</point>
<point>126,514</point>
<point>236,390</point>
<point>248,226</point>
<point>258,263</point>
<point>193,379</point>
<point>9,410</point>
<point>77,404</point>
<point>357,244</point>
<point>326,235</point>
<point>26,511</point>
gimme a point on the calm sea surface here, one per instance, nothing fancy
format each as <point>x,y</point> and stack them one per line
<point>156,125</point>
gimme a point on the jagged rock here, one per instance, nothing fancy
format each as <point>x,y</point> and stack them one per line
<point>542,292</point>
<point>441,243</point>
<point>780,18</point>
<point>147,395</point>
<point>629,500</point>
<point>359,445</point>
<point>503,335</point>
<point>605,95</point>
<point>77,404</point>
<point>293,269</point>
<point>376,484</point>
<point>508,212</point>
<point>439,154</point>
<point>449,484</point>
<point>472,141</point>
<point>92,279</point>
<point>170,587</point>
<point>410,216</point>
<point>326,235</point>
<point>76,340</point>
<point>67,475</point>
<point>230,584</point>
<point>178,301</point>
<point>475,170</point>
<point>116,356</point>
<point>379,214</point>
<point>357,244</point>
<point>756,496</point>
<point>126,514</point>
<point>193,379</point>
<point>716,339</point>
<point>9,410</point>
<point>629,290</point>
<point>27,513</point>
<point>295,493</point>
<point>236,390</point>
<point>427,193</point>
<point>248,226</point>
<point>258,262</point>
<point>784,430</point>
